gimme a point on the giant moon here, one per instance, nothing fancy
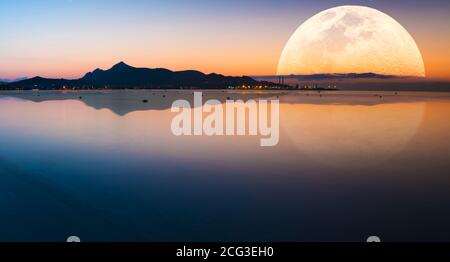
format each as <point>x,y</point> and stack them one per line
<point>351,39</point>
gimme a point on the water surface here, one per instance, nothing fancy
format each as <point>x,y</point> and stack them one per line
<point>104,166</point>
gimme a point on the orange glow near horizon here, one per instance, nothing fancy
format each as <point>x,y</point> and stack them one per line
<point>240,60</point>
<point>231,60</point>
<point>245,61</point>
<point>436,56</point>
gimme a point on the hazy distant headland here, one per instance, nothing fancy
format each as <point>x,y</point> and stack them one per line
<point>362,81</point>
<point>123,76</point>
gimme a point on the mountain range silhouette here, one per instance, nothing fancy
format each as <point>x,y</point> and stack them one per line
<point>122,76</point>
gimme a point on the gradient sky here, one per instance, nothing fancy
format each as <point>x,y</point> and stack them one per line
<point>67,38</point>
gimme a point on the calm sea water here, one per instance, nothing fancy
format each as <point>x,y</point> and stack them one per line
<point>104,166</point>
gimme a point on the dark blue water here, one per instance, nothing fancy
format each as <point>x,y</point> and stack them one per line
<point>106,172</point>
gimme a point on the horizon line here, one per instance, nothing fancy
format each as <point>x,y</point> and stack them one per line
<point>337,75</point>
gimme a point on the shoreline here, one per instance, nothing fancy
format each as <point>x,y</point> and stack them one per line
<point>445,90</point>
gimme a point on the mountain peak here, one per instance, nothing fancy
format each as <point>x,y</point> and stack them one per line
<point>121,65</point>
